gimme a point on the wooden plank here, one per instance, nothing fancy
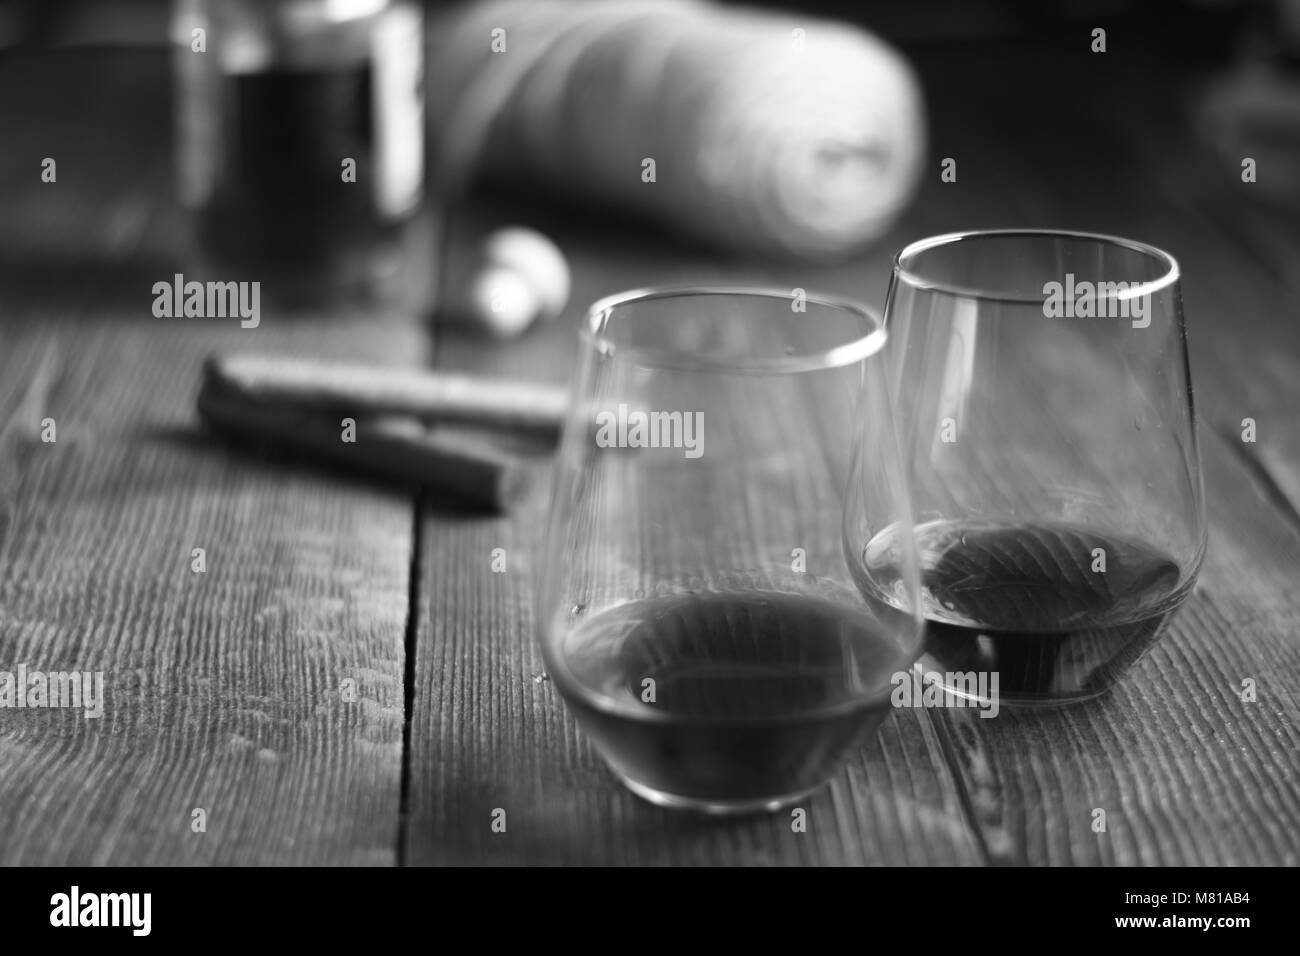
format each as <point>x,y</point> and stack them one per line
<point>1187,772</point>
<point>489,731</point>
<point>224,690</point>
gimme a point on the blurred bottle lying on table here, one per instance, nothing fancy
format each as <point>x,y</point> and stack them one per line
<point>300,148</point>
<point>759,132</point>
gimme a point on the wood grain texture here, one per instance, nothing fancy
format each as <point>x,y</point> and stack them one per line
<point>223,688</point>
<point>489,731</point>
<point>1187,772</point>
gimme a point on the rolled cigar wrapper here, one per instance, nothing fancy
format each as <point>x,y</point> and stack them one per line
<point>360,390</point>
<point>398,447</point>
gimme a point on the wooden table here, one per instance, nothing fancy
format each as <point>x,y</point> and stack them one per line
<point>226,687</point>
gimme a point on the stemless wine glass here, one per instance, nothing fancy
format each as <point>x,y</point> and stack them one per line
<point>1045,413</point>
<point>695,609</point>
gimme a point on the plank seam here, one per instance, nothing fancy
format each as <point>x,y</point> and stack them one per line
<point>408,677</point>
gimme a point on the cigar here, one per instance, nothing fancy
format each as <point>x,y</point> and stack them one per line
<point>352,390</point>
<point>401,448</point>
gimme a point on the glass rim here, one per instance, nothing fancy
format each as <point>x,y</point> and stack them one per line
<point>838,356</point>
<point>1134,290</point>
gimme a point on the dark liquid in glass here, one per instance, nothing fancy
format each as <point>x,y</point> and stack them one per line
<point>1031,603</point>
<point>274,204</point>
<point>756,696</point>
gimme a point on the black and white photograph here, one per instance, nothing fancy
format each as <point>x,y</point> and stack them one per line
<point>650,433</point>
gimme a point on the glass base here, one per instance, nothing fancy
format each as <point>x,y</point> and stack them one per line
<point>1012,702</point>
<point>713,806</point>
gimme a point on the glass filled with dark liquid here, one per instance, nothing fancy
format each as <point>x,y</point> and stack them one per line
<point>695,611</point>
<point>301,149</point>
<point>1045,412</point>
